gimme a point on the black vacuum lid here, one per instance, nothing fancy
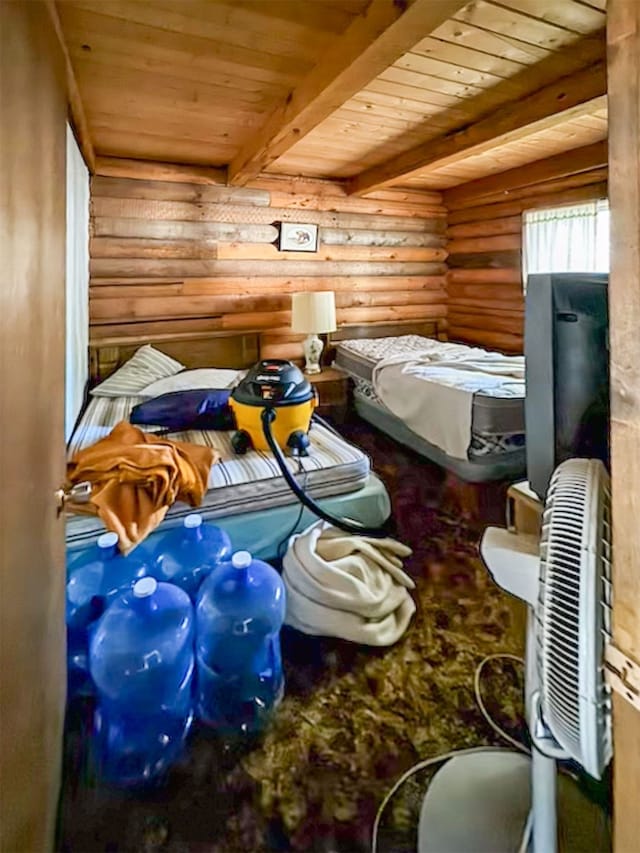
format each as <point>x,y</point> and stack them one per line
<point>274,381</point>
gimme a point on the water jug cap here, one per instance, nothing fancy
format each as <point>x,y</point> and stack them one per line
<point>193,520</point>
<point>107,540</point>
<point>241,560</point>
<point>145,587</point>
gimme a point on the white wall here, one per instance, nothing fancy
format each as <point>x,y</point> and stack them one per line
<point>77,290</point>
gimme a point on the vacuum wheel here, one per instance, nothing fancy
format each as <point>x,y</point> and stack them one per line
<point>241,442</point>
<point>298,443</point>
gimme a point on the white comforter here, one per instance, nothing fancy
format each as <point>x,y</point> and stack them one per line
<point>432,391</point>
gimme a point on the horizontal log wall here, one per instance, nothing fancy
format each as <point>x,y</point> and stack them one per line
<point>173,257</point>
<point>484,283</point>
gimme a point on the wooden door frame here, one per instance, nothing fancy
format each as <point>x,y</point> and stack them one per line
<point>32,457</point>
<point>623,63</point>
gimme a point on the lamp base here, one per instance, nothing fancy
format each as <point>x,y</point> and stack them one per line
<point>312,347</point>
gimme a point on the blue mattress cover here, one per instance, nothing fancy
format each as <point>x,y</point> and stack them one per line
<point>261,532</point>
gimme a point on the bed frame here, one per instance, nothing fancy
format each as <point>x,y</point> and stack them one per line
<point>193,349</point>
<point>426,328</point>
<point>230,349</point>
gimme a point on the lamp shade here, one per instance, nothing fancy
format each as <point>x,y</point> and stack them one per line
<point>313,312</point>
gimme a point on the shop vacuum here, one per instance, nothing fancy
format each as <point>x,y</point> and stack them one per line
<point>273,406</point>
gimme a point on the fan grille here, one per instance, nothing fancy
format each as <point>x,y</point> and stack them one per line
<point>574,611</point>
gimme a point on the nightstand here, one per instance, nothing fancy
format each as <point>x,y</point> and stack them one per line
<point>524,510</point>
<point>333,390</point>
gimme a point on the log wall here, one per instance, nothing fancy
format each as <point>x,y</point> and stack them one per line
<point>171,257</point>
<point>484,284</point>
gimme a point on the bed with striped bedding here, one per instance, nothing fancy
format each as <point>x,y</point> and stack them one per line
<point>237,484</point>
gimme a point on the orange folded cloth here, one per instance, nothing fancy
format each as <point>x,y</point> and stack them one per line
<point>136,477</point>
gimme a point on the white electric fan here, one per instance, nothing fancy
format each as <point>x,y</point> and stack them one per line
<point>489,801</point>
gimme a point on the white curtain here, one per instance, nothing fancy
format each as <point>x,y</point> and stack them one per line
<point>567,239</point>
<point>77,287</point>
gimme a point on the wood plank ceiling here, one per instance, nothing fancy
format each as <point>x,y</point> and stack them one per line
<point>376,92</point>
<point>564,136</point>
<point>190,82</point>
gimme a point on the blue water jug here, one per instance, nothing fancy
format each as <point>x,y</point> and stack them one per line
<point>186,555</point>
<point>142,663</point>
<point>239,613</point>
<point>78,678</point>
<point>97,575</point>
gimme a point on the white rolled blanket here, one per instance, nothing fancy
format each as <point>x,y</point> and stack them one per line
<point>341,585</point>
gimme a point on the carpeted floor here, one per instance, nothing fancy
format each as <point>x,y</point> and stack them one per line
<point>353,719</point>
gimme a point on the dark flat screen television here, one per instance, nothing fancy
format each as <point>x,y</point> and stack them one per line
<point>567,372</point>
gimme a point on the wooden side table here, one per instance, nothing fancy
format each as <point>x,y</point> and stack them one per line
<point>333,390</point>
<point>524,510</point>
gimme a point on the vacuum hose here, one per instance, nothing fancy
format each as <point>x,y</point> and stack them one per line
<point>349,526</point>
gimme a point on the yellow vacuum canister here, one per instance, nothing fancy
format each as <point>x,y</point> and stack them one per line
<point>280,386</point>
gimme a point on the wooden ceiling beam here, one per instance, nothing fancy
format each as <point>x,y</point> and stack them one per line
<point>563,165</point>
<point>374,40</point>
<point>78,117</point>
<point>150,170</point>
<point>577,94</point>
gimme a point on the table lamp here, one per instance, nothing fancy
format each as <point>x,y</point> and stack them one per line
<point>313,313</point>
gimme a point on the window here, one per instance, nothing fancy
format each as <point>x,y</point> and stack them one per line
<point>567,239</point>
<point>77,287</point>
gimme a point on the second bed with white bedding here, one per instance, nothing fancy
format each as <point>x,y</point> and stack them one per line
<point>489,445</point>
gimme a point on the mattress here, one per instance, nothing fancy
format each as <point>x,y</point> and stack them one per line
<point>494,418</point>
<point>237,484</point>
<point>264,533</point>
<point>481,468</point>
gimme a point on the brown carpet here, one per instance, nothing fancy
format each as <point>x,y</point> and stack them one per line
<point>353,718</point>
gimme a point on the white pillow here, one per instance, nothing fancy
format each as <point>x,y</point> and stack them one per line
<point>188,380</point>
<point>145,366</point>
